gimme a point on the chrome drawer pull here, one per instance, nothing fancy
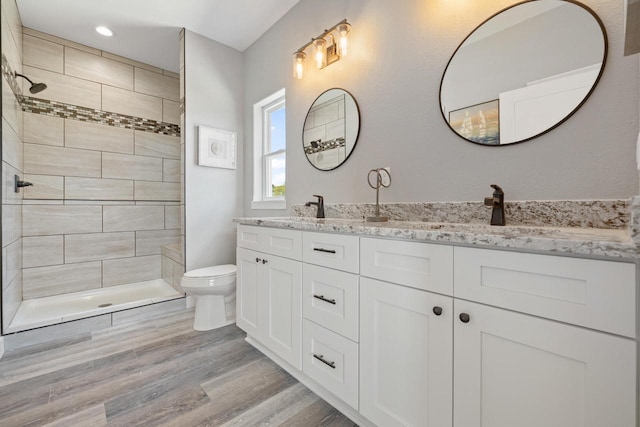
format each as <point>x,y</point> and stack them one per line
<point>322,298</point>
<point>332,365</point>
<point>328,251</point>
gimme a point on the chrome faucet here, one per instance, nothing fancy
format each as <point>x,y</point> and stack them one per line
<point>319,204</point>
<point>497,202</point>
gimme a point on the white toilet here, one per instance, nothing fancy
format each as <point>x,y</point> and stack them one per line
<point>214,290</point>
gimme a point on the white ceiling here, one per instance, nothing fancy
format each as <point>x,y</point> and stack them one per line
<point>147,30</point>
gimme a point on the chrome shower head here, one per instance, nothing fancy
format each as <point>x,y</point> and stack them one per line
<point>35,87</point>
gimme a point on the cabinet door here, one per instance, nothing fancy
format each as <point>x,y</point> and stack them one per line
<point>513,369</point>
<point>405,355</point>
<point>249,271</point>
<point>280,295</point>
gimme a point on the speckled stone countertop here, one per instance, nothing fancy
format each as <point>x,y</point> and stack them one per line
<point>616,233</point>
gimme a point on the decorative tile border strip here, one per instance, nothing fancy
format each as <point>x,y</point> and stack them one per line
<point>319,145</point>
<point>7,73</point>
<point>84,114</point>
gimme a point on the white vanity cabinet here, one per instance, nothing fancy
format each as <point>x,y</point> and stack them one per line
<point>408,333</point>
<point>269,290</point>
<point>512,368</point>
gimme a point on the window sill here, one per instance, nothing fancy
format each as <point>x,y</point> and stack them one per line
<point>269,204</point>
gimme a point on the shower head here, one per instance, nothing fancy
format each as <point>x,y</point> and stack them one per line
<point>38,87</point>
<point>35,87</point>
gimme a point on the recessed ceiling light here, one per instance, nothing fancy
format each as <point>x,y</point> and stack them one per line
<point>105,31</point>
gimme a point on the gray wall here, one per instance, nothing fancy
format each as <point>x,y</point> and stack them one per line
<point>213,196</point>
<point>398,53</point>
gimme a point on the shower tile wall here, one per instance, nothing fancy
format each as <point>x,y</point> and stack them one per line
<point>106,197</point>
<point>12,164</point>
<point>325,121</point>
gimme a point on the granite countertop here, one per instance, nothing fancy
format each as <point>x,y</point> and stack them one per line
<point>597,242</point>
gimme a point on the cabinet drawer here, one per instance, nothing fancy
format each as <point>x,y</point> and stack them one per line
<point>592,293</point>
<point>331,250</point>
<point>274,241</point>
<point>415,264</point>
<point>332,361</point>
<point>330,298</point>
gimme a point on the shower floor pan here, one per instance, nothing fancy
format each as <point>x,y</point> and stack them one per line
<point>55,309</point>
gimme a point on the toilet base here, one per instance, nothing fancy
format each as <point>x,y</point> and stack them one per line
<point>212,313</point>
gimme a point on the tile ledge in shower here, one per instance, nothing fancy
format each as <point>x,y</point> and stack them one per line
<point>47,311</point>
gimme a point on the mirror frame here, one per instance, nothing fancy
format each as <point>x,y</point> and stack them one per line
<point>593,87</point>
<point>355,142</point>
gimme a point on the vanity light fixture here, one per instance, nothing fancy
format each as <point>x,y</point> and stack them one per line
<point>326,50</point>
<point>298,64</point>
<point>320,54</point>
<point>105,31</point>
<point>343,40</point>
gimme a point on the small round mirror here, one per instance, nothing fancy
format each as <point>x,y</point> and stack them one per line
<point>331,129</point>
<point>523,71</point>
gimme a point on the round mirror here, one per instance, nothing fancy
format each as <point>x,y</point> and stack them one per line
<point>523,71</point>
<point>331,129</point>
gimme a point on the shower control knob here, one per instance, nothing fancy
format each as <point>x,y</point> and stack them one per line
<point>437,310</point>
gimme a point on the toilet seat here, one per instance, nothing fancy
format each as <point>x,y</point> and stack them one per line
<point>215,271</point>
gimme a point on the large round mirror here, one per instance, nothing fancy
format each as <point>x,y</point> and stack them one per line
<point>331,129</point>
<point>523,71</point>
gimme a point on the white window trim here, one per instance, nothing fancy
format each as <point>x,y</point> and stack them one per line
<point>258,151</point>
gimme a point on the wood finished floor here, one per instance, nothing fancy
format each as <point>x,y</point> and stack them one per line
<point>159,372</point>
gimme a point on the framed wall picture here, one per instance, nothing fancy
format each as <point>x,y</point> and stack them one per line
<point>478,123</point>
<point>216,148</point>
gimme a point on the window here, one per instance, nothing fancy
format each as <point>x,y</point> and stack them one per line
<point>270,143</point>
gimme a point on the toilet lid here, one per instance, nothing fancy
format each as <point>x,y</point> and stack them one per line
<point>216,270</point>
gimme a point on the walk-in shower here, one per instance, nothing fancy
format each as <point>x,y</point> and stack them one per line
<point>92,194</point>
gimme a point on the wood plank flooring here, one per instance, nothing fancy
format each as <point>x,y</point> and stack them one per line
<point>158,372</point>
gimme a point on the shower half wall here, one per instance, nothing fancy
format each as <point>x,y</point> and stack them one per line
<point>102,149</point>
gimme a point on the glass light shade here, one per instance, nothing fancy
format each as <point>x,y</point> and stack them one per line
<point>320,46</point>
<point>298,65</point>
<point>343,40</point>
